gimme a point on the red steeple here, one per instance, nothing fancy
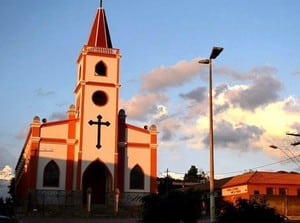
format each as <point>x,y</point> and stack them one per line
<point>99,36</point>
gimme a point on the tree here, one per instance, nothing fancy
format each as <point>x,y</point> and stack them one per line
<point>174,207</point>
<point>248,212</point>
<point>193,175</point>
<point>165,184</point>
<point>11,190</point>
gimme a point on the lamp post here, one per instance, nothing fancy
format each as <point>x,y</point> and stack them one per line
<point>293,157</point>
<point>214,53</point>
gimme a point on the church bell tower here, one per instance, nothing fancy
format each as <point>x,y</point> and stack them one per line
<point>96,100</point>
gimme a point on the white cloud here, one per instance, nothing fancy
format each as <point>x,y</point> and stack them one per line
<point>169,128</point>
<point>263,90</point>
<point>171,76</point>
<point>197,94</point>
<point>8,154</point>
<point>23,133</point>
<point>141,106</point>
<point>161,112</point>
<point>43,93</point>
<point>296,72</point>
<point>252,74</point>
<point>6,173</point>
<point>249,113</point>
<point>58,116</point>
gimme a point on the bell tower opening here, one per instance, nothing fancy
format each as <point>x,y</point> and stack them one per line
<point>100,69</point>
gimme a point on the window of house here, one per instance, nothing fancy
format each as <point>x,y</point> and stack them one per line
<point>256,192</point>
<point>270,191</point>
<point>51,175</point>
<point>100,69</point>
<point>137,178</point>
<point>282,191</point>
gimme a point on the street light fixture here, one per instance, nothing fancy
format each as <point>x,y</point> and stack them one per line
<point>293,157</point>
<point>294,134</point>
<point>214,53</point>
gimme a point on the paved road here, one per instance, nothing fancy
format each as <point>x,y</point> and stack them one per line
<point>76,220</point>
<point>90,220</point>
<point>83,220</point>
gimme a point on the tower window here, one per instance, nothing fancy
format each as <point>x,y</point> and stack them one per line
<point>100,69</point>
<point>137,178</point>
<point>51,175</point>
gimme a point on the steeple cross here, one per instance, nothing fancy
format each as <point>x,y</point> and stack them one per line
<point>99,123</point>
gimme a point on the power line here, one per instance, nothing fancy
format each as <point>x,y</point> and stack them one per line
<point>292,158</point>
<point>241,171</point>
<point>258,167</point>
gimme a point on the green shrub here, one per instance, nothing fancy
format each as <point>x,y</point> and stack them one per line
<point>248,212</point>
<point>174,207</point>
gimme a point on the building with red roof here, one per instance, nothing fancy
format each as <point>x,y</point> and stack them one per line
<point>280,190</point>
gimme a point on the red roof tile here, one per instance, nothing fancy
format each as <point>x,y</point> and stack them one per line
<point>264,178</point>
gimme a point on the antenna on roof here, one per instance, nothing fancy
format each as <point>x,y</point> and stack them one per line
<point>100,3</point>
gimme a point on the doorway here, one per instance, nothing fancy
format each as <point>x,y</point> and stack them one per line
<point>95,179</point>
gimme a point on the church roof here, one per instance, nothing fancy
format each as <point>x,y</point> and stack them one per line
<point>99,36</point>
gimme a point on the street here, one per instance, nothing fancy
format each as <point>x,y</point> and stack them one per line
<point>76,220</point>
<point>92,220</point>
<point>83,220</point>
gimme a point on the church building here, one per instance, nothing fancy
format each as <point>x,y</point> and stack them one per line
<point>93,155</point>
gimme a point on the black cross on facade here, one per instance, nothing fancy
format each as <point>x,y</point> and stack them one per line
<point>99,123</point>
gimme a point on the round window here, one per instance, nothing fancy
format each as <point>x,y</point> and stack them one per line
<point>99,98</point>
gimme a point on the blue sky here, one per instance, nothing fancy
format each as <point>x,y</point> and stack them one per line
<point>256,93</point>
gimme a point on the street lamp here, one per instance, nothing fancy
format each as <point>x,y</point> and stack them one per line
<point>293,157</point>
<point>214,53</point>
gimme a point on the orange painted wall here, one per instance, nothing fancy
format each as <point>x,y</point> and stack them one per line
<point>291,190</point>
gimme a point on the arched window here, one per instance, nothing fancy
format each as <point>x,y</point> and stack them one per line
<point>51,175</point>
<point>100,69</point>
<point>137,178</point>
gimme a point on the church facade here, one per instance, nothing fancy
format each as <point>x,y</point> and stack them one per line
<point>93,155</point>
